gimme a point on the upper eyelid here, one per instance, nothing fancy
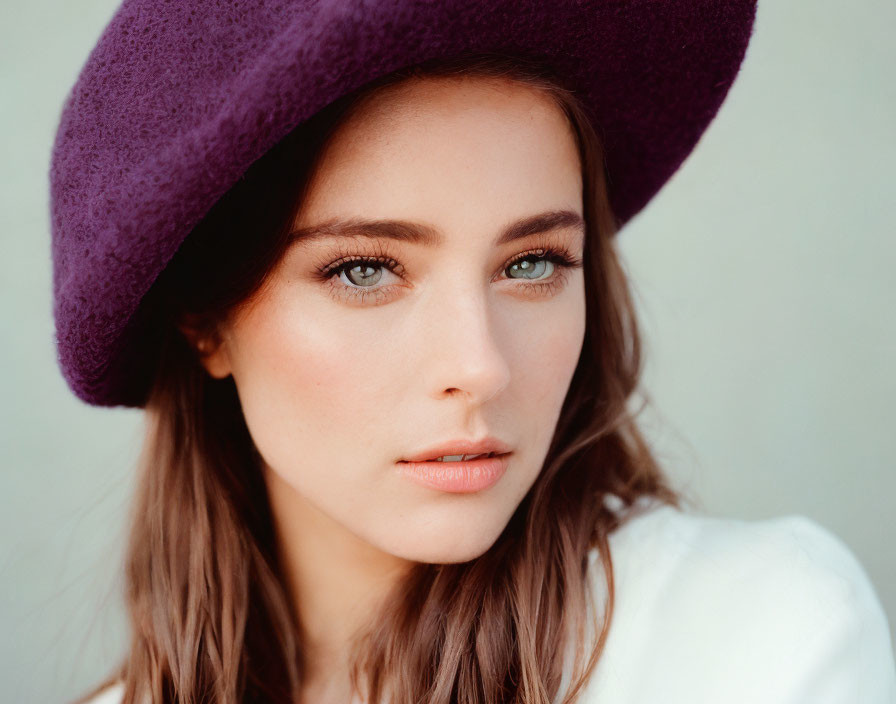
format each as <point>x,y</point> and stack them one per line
<point>348,247</point>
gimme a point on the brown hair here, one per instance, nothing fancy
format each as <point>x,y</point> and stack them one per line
<point>210,617</point>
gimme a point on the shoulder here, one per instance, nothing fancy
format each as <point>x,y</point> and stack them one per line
<point>720,609</point>
<point>110,695</point>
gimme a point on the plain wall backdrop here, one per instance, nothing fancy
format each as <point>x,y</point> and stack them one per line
<point>762,272</point>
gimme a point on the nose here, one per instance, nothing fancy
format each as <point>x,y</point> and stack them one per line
<point>465,353</point>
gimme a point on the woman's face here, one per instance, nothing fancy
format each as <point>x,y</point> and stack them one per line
<point>344,368</point>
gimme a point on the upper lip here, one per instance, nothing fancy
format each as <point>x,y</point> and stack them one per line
<point>460,447</point>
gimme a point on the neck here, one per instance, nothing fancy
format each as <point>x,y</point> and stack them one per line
<point>336,581</point>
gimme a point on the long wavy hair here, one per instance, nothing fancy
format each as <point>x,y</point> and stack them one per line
<point>210,618</point>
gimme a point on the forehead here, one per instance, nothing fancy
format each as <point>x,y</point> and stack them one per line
<point>460,154</point>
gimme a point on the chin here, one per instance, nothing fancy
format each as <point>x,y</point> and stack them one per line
<point>460,547</point>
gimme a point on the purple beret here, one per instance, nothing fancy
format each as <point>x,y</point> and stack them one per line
<point>179,98</point>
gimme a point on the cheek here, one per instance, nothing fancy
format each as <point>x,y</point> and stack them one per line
<point>303,380</point>
<point>548,349</point>
<point>550,365</point>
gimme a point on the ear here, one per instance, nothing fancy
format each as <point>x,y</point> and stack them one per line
<point>208,345</point>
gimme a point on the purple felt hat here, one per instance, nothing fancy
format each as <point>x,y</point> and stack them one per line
<point>179,98</point>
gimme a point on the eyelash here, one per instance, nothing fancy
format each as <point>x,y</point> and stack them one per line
<point>329,274</point>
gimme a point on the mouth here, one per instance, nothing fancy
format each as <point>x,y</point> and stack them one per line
<point>460,450</point>
<point>462,458</point>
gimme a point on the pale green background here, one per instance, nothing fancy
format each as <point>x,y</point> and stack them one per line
<point>764,277</point>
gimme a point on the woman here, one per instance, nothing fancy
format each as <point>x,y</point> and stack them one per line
<point>371,305</point>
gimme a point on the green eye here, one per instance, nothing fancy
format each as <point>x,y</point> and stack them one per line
<point>531,270</point>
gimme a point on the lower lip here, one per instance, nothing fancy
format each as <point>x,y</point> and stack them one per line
<point>458,477</point>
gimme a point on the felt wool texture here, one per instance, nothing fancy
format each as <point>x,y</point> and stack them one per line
<point>178,98</point>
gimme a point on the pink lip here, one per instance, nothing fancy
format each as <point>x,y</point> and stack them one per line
<point>460,447</point>
<point>458,477</point>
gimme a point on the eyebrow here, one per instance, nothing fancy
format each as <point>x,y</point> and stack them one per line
<point>418,233</point>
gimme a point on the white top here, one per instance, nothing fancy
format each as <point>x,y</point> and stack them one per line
<point>709,609</point>
<point>712,610</point>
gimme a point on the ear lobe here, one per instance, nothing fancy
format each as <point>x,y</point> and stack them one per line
<point>216,363</point>
<point>209,347</point>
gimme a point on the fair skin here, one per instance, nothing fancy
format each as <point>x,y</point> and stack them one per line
<point>336,390</point>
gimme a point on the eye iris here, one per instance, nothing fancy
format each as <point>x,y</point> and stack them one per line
<point>372,274</point>
<point>529,269</point>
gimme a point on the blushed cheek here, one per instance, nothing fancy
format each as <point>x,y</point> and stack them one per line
<point>307,381</point>
<point>552,350</point>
